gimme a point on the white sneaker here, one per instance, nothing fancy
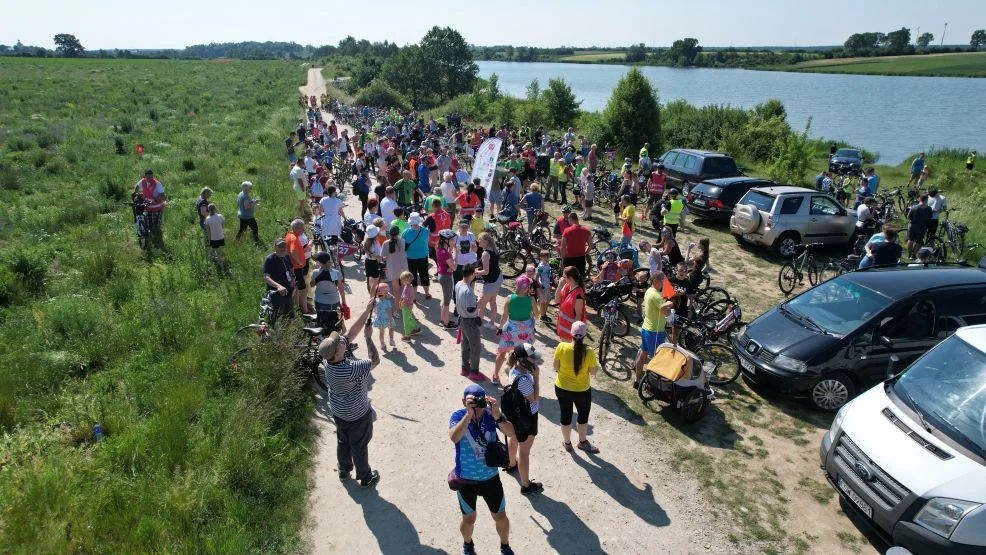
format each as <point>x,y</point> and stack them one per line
<point>489,326</point>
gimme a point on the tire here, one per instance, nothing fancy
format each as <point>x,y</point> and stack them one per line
<point>787,278</point>
<point>786,244</point>
<point>814,271</point>
<point>719,362</point>
<point>832,391</point>
<point>691,337</point>
<point>644,392</point>
<point>237,357</point>
<point>716,310</point>
<point>746,218</point>
<point>605,345</point>
<point>596,250</point>
<point>540,238</point>
<point>958,245</point>
<point>940,253</point>
<point>621,327</point>
<point>692,406</point>
<point>859,246</point>
<point>829,271</point>
<point>515,263</point>
<point>711,296</point>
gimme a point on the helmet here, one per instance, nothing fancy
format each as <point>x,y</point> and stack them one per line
<point>610,255</point>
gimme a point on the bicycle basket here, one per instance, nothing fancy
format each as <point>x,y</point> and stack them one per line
<point>602,293</point>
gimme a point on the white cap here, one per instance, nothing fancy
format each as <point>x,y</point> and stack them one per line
<point>372,231</point>
<point>246,184</point>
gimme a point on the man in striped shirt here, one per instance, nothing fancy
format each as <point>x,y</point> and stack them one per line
<point>347,380</point>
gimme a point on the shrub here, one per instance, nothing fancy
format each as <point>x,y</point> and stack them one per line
<point>126,124</point>
<point>30,266</point>
<point>153,115</point>
<point>120,149</point>
<point>112,189</point>
<point>56,165</point>
<point>47,140</point>
<point>39,158</point>
<point>793,161</point>
<point>633,113</point>
<point>20,144</point>
<point>10,179</point>
<point>188,164</point>
<point>379,93</point>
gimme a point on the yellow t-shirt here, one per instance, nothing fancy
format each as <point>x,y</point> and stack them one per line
<point>629,213</point>
<point>567,379</point>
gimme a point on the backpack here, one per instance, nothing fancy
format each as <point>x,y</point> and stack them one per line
<point>515,407</point>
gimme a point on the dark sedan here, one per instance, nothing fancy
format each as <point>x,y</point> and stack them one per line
<point>846,160</point>
<point>713,199</point>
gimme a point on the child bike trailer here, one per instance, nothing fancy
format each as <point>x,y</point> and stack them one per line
<point>675,376</point>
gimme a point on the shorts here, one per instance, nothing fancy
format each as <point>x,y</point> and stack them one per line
<point>445,280</point>
<point>419,271</point>
<point>532,429</point>
<point>299,194</point>
<point>492,288</point>
<point>649,340</point>
<point>543,295</point>
<point>217,243</point>
<point>528,174</point>
<point>373,269</point>
<point>970,166</point>
<point>581,401</point>
<point>490,490</point>
<point>915,234</point>
<point>299,277</point>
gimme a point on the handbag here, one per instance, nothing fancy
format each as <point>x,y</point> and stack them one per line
<point>496,452</point>
<point>455,482</point>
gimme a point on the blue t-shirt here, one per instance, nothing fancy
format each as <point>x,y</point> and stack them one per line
<point>544,275</point>
<point>470,455</point>
<point>423,174</point>
<point>918,165</point>
<point>417,242</point>
<point>510,201</point>
<point>874,183</point>
<point>244,212</point>
<point>534,201</point>
<point>363,184</point>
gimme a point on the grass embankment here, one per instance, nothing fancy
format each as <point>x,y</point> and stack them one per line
<point>960,64</point>
<point>195,457</point>
<point>594,56</point>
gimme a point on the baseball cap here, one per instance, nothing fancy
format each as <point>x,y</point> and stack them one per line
<point>475,390</point>
<point>579,329</point>
<point>372,231</point>
<point>526,351</point>
<point>414,219</point>
<point>245,185</point>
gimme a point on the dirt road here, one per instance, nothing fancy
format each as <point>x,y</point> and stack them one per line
<point>624,500</point>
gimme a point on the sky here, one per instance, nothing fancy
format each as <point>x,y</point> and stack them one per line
<point>134,24</point>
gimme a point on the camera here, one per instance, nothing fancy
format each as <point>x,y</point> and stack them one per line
<point>480,403</point>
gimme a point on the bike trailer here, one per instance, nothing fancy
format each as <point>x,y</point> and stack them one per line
<point>677,365</point>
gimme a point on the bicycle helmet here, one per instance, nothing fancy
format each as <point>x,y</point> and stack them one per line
<point>610,255</point>
<point>446,234</point>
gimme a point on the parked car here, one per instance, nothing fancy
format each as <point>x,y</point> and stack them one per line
<point>686,167</point>
<point>836,338</point>
<point>713,199</point>
<point>846,160</point>
<point>782,217</point>
<point>909,456</point>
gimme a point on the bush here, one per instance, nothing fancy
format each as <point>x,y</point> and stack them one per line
<point>47,140</point>
<point>793,161</point>
<point>112,189</point>
<point>188,164</point>
<point>56,166</point>
<point>30,266</point>
<point>120,149</point>
<point>10,179</point>
<point>39,158</point>
<point>20,144</point>
<point>126,124</point>
<point>379,93</point>
<point>633,114</point>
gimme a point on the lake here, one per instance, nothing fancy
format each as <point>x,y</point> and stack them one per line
<point>892,116</point>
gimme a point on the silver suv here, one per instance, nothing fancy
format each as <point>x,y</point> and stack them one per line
<point>782,217</point>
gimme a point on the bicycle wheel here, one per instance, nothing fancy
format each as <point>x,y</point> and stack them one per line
<point>238,357</point>
<point>541,238</point>
<point>621,326</point>
<point>605,344</point>
<point>716,310</point>
<point>814,272</point>
<point>711,295</point>
<point>829,271</point>
<point>691,337</point>
<point>787,278</point>
<point>719,362</point>
<point>958,244</point>
<point>512,264</point>
<point>600,247</point>
<point>938,250</point>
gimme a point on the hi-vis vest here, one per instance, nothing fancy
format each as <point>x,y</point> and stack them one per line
<point>674,213</point>
<point>442,221</point>
<point>147,189</point>
<point>555,167</point>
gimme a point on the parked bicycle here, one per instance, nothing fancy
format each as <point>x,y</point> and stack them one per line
<point>792,274</point>
<point>952,234</point>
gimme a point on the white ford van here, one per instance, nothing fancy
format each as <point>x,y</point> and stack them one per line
<point>909,455</point>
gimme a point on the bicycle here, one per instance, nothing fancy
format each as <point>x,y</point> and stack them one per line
<point>696,332</point>
<point>792,273</point>
<point>141,225</point>
<point>835,268</point>
<point>605,299</point>
<point>952,234</point>
<point>612,316</point>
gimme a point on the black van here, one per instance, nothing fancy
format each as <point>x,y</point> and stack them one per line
<point>687,166</point>
<point>837,338</point>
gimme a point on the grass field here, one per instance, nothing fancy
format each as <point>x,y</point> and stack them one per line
<point>196,457</point>
<point>965,64</point>
<point>585,56</point>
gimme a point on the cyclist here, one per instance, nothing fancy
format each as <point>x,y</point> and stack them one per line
<point>154,203</point>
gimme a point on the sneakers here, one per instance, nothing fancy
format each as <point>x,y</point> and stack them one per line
<point>505,550</point>
<point>532,487</point>
<point>343,476</point>
<point>476,376</point>
<point>488,326</point>
<point>464,373</point>
<point>373,478</point>
<point>468,548</point>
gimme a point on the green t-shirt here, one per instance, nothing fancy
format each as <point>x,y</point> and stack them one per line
<point>654,319</point>
<point>401,224</point>
<point>520,307</point>
<point>405,191</point>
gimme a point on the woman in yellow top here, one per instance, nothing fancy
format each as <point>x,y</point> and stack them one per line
<point>575,363</point>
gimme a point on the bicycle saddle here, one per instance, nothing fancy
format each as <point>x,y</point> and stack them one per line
<point>513,225</point>
<point>314,330</point>
<point>310,317</point>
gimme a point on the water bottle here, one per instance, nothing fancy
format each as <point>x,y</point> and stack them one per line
<point>97,432</point>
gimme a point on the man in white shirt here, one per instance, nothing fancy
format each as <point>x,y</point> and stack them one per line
<point>387,207</point>
<point>299,182</point>
<point>449,193</point>
<point>332,213</point>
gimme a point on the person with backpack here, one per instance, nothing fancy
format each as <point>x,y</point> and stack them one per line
<point>575,362</point>
<point>520,404</point>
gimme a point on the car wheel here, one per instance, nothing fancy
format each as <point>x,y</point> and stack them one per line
<point>832,391</point>
<point>786,245</point>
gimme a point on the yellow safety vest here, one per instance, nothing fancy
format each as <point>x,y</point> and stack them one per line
<point>555,167</point>
<point>674,214</point>
<point>970,159</point>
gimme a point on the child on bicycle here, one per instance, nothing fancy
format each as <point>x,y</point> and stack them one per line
<point>384,316</point>
<point>406,301</point>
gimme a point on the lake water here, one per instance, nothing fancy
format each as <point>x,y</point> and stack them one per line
<point>893,116</point>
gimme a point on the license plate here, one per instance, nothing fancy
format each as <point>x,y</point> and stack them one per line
<point>747,365</point>
<point>698,202</point>
<point>863,505</point>
<point>747,237</point>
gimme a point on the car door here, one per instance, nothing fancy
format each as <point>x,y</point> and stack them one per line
<point>907,330</point>
<point>826,221</point>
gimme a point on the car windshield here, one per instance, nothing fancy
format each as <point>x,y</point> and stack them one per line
<point>719,166</point>
<point>762,201</point>
<point>838,306</point>
<point>847,153</point>
<point>947,386</point>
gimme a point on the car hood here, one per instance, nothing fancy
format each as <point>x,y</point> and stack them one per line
<point>780,334</point>
<point>918,469</point>
<point>844,160</point>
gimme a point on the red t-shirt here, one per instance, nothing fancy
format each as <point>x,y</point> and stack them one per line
<point>576,241</point>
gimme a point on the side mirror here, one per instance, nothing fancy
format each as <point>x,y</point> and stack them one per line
<point>885,341</point>
<point>892,365</point>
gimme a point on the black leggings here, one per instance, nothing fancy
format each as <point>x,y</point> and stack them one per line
<point>250,223</point>
<point>582,401</point>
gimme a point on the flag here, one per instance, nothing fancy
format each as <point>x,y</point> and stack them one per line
<point>484,166</point>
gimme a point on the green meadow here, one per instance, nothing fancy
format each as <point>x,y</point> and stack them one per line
<point>963,64</point>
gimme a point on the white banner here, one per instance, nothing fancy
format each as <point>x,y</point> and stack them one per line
<point>484,167</point>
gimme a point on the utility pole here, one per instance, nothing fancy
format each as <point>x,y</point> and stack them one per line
<point>917,35</point>
<point>943,35</point>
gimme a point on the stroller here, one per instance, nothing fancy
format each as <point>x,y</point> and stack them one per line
<point>675,376</point>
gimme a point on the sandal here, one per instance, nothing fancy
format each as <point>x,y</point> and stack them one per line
<point>510,469</point>
<point>531,487</point>
<point>567,446</point>
<point>588,447</point>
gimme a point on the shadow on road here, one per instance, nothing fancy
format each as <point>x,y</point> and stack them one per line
<point>390,526</point>
<point>568,534</point>
<point>615,483</point>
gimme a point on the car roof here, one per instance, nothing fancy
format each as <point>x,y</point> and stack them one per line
<point>974,335</point>
<point>727,181</point>
<point>784,189</point>
<point>705,153</point>
<point>900,282</point>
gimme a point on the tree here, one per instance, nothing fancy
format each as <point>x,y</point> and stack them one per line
<point>409,71</point>
<point>452,62</point>
<point>379,93</point>
<point>366,70</point>
<point>636,53</point>
<point>925,39</point>
<point>898,40</point>
<point>560,101</point>
<point>978,39</point>
<point>793,161</point>
<point>633,114</point>
<point>68,46</point>
<point>684,51</point>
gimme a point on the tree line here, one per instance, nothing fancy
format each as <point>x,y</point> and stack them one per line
<point>69,46</point>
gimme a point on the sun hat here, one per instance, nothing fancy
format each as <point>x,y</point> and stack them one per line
<point>414,219</point>
<point>372,231</point>
<point>579,329</point>
<point>525,351</point>
<point>523,282</point>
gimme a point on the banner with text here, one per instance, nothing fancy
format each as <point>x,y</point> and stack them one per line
<point>485,165</point>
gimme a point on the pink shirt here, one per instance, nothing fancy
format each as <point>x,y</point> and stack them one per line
<point>407,295</point>
<point>442,257</point>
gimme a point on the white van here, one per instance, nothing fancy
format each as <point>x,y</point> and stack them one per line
<point>909,455</point>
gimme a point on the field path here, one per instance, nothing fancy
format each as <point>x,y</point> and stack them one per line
<point>624,500</point>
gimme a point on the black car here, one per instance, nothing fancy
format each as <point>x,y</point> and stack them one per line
<point>714,199</point>
<point>686,166</point>
<point>837,338</point>
<point>846,161</point>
